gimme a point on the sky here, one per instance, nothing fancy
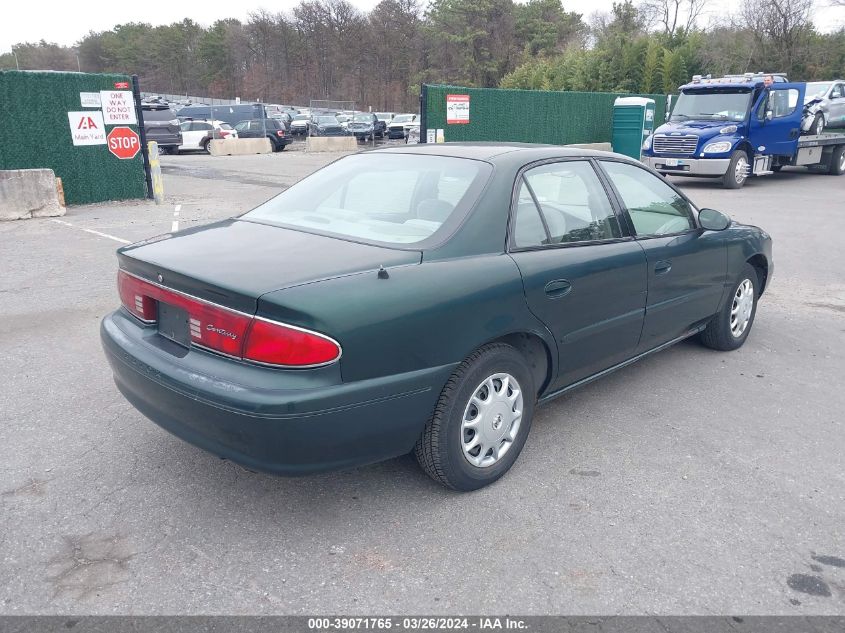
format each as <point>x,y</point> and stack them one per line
<point>67,22</point>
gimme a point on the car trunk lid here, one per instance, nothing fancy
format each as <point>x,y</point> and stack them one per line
<point>233,262</point>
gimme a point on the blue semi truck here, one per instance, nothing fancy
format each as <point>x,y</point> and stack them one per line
<point>739,126</point>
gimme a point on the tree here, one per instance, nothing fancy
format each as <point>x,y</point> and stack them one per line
<point>781,30</point>
<point>673,16</point>
<point>472,42</point>
<point>543,27</point>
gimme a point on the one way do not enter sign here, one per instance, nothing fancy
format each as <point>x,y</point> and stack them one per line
<point>124,142</point>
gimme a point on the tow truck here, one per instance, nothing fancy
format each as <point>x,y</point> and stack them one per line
<point>738,126</point>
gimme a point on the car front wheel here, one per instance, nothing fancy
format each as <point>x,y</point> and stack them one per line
<point>481,421</point>
<point>818,124</point>
<point>730,326</point>
<point>737,172</point>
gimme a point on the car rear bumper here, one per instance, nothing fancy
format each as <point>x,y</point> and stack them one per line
<point>688,166</point>
<point>277,430</point>
<point>165,139</point>
<point>392,133</point>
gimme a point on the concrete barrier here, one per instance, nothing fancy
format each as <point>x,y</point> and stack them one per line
<point>240,146</point>
<point>331,144</point>
<point>604,147</point>
<point>29,193</point>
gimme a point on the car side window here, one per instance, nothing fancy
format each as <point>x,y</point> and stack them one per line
<point>837,92</point>
<point>241,127</point>
<point>185,126</point>
<point>528,229</point>
<point>562,203</point>
<point>655,208</point>
<point>201,127</point>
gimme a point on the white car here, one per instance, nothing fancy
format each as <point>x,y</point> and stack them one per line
<point>299,125</point>
<point>400,125</point>
<point>197,134</point>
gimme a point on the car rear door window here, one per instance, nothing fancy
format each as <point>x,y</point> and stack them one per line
<point>654,207</point>
<point>561,203</point>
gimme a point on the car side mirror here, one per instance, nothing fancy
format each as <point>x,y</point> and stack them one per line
<point>712,220</point>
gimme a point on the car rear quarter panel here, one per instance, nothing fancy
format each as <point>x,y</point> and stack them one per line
<point>426,315</point>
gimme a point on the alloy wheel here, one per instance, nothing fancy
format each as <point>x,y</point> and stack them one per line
<point>491,420</point>
<point>743,304</point>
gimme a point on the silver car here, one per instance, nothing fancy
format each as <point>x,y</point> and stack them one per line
<point>824,106</point>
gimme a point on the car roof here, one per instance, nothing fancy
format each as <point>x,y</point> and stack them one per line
<point>497,151</point>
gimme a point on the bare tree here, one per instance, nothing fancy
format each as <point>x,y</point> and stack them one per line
<point>781,30</point>
<point>673,16</point>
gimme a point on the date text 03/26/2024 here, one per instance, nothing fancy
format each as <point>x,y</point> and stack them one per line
<point>415,624</point>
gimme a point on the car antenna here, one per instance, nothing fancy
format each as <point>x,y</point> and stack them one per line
<point>382,273</point>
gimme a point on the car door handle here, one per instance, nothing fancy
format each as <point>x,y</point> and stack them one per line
<point>557,288</point>
<point>662,267</point>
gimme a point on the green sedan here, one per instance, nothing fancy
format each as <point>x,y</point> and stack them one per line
<point>422,299</point>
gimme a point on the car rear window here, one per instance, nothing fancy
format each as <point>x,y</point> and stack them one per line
<point>392,199</point>
<point>159,115</point>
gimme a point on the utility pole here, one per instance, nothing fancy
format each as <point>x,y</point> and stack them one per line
<point>17,65</point>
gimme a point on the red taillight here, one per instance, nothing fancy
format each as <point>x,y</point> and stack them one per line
<point>277,344</point>
<point>135,298</point>
<point>224,133</point>
<point>280,132</point>
<point>229,332</point>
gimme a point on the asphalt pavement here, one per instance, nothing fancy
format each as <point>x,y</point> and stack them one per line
<point>693,482</point>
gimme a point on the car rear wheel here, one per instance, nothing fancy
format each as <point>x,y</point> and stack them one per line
<point>481,421</point>
<point>206,146</point>
<point>730,326</point>
<point>737,172</point>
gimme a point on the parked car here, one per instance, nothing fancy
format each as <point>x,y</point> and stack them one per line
<point>353,323</point>
<point>343,119</point>
<point>273,129</point>
<point>413,134</point>
<point>398,127</point>
<point>325,126</point>
<point>231,114</point>
<point>299,124</point>
<point>162,126</point>
<point>198,134</point>
<point>824,106</point>
<point>385,117</point>
<point>365,126</point>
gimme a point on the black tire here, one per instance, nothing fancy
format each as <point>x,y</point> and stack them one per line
<point>282,147</point>
<point>719,335</point>
<point>730,180</point>
<point>818,125</point>
<point>837,161</point>
<point>777,168</point>
<point>440,450</point>
<point>206,146</point>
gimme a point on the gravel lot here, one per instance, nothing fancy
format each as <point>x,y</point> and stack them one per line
<point>694,482</point>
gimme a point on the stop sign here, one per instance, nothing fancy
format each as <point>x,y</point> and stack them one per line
<point>124,142</point>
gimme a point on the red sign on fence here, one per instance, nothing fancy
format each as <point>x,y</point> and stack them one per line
<point>457,109</point>
<point>124,142</point>
<point>121,85</point>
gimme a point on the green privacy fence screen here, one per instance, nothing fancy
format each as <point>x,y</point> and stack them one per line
<point>35,133</point>
<point>529,116</point>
